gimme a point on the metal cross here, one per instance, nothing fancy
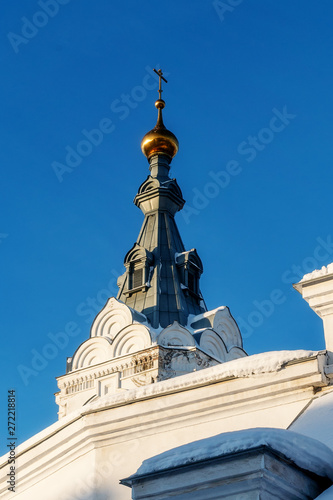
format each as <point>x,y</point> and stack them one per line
<point>161,77</point>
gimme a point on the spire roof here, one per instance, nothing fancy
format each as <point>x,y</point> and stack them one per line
<point>161,278</point>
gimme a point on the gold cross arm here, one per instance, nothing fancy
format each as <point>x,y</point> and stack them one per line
<point>161,77</point>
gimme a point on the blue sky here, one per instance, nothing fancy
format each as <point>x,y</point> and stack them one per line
<point>249,96</point>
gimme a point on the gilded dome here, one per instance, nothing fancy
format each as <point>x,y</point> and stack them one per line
<point>159,140</point>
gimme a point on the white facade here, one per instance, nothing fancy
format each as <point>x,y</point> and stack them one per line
<point>86,453</point>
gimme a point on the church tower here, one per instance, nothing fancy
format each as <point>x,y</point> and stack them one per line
<point>158,327</point>
<point>161,278</point>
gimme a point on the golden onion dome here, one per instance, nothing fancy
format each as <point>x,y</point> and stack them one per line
<point>159,140</point>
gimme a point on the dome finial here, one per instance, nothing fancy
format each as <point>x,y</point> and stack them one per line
<point>161,77</point>
<point>160,104</point>
<point>159,140</point>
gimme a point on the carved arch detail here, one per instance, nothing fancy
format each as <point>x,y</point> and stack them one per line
<point>136,253</point>
<point>113,318</point>
<point>212,344</point>
<point>175,335</point>
<point>92,352</point>
<point>225,325</point>
<point>131,339</point>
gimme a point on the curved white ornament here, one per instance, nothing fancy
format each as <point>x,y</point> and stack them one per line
<point>212,344</point>
<point>175,335</point>
<point>92,352</point>
<point>222,322</point>
<point>113,318</point>
<point>236,353</point>
<point>225,325</point>
<point>131,339</point>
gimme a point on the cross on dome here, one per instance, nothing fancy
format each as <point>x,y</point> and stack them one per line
<point>159,140</point>
<point>161,77</point>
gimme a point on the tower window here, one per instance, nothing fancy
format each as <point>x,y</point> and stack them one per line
<point>137,277</point>
<point>138,262</point>
<point>190,269</point>
<point>191,282</point>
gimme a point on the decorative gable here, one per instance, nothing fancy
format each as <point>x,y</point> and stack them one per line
<point>138,262</point>
<point>190,268</point>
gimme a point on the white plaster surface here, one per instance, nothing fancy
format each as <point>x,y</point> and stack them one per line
<point>317,420</point>
<point>317,289</point>
<point>95,446</point>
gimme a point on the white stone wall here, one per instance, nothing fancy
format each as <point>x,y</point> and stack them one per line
<point>85,454</point>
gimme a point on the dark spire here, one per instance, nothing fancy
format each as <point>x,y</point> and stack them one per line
<point>161,278</point>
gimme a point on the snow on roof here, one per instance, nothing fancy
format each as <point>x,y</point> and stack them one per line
<point>266,362</point>
<point>317,273</point>
<point>192,318</point>
<point>179,254</point>
<point>316,421</point>
<point>307,453</point>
